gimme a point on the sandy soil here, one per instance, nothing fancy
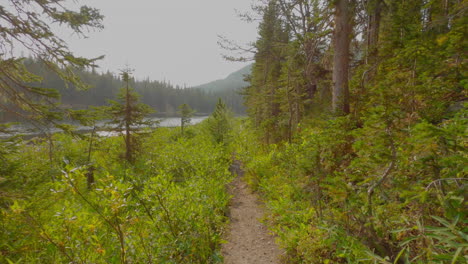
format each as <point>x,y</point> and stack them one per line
<point>249,242</point>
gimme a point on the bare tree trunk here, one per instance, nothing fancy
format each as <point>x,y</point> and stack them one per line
<point>340,92</point>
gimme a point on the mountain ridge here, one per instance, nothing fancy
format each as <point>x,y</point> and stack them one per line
<point>233,81</point>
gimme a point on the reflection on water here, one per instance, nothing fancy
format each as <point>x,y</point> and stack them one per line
<point>25,129</point>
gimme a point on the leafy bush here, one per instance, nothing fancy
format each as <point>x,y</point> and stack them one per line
<point>378,192</point>
<point>169,207</point>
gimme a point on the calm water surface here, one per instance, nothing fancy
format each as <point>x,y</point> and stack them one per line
<point>28,130</point>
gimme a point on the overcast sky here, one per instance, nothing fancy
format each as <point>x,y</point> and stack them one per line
<point>172,40</point>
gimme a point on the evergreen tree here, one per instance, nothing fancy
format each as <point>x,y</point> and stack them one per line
<point>261,96</point>
<point>186,113</point>
<point>163,97</point>
<point>23,25</point>
<point>128,114</point>
<point>403,65</point>
<point>219,123</point>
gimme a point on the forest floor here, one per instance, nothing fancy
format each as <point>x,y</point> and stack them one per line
<point>249,241</point>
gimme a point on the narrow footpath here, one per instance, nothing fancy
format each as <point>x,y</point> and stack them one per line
<point>249,241</point>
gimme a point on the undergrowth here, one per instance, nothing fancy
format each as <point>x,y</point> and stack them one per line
<point>372,193</point>
<point>168,207</point>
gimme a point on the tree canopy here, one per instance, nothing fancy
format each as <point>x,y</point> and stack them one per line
<point>26,26</point>
<point>361,106</point>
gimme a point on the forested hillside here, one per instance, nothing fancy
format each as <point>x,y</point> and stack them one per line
<point>230,88</point>
<point>234,81</point>
<point>361,109</point>
<point>164,97</point>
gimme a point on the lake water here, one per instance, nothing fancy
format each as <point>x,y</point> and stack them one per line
<point>28,130</point>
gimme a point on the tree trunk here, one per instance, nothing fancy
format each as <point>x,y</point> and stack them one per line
<point>373,26</point>
<point>182,126</point>
<point>128,140</point>
<point>340,92</point>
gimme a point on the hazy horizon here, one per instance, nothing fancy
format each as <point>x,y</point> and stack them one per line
<point>165,40</point>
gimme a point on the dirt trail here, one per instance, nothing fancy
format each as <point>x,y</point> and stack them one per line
<point>249,242</point>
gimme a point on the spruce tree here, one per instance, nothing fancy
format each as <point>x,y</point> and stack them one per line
<point>219,123</point>
<point>128,115</point>
<point>262,95</point>
<point>186,113</point>
<point>25,26</point>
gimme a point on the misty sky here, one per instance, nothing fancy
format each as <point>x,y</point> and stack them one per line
<point>175,40</point>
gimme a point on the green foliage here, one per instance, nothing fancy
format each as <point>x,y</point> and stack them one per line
<point>375,185</point>
<point>234,81</point>
<point>128,115</point>
<point>451,239</point>
<point>219,123</point>
<point>169,207</point>
<point>128,111</point>
<point>318,190</point>
<point>186,114</point>
<point>162,96</point>
<point>229,89</point>
<point>261,95</point>
<point>385,184</point>
<point>25,24</point>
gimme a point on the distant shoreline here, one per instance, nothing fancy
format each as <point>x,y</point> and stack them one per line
<point>27,131</point>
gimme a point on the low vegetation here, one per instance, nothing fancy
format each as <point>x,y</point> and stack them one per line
<point>356,134</point>
<point>168,207</point>
<point>342,194</point>
<point>355,139</point>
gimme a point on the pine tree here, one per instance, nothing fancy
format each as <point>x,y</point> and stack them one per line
<point>186,113</point>
<point>404,65</point>
<point>262,95</point>
<point>219,123</point>
<point>23,25</point>
<point>128,115</point>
